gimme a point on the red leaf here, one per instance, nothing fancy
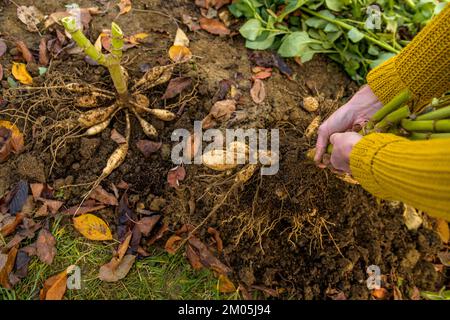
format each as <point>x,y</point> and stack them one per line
<point>22,47</point>
<point>117,137</point>
<point>103,196</point>
<point>3,47</point>
<point>43,53</point>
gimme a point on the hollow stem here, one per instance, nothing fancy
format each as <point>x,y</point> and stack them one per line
<point>442,113</point>
<point>392,119</point>
<point>428,136</point>
<point>399,100</point>
<point>112,62</point>
<point>426,125</point>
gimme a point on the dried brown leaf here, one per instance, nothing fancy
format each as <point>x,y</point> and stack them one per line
<point>124,6</point>
<point>6,266</point>
<point>30,16</point>
<point>117,137</point>
<point>176,86</point>
<point>172,244</point>
<point>214,26</point>
<point>193,258</point>
<point>102,196</point>
<point>146,224</point>
<point>207,258</point>
<point>3,47</point>
<point>175,175</point>
<point>46,246</point>
<point>217,239</point>
<point>148,147</point>
<point>258,91</point>
<point>225,285</point>
<point>43,53</point>
<point>54,287</point>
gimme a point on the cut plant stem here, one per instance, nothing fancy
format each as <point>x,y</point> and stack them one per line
<point>392,119</point>
<point>427,125</point>
<point>399,100</point>
<point>428,136</point>
<point>346,26</point>
<point>442,113</point>
<point>112,62</point>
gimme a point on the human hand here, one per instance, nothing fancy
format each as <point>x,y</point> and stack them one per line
<point>351,116</point>
<point>342,147</point>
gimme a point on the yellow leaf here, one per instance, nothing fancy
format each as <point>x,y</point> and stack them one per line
<point>92,227</point>
<point>442,229</point>
<point>14,143</point>
<point>180,53</point>
<point>225,285</point>
<point>134,39</point>
<point>19,71</point>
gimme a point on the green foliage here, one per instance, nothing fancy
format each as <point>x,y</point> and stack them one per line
<point>441,295</point>
<point>338,28</point>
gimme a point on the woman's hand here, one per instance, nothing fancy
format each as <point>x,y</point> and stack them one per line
<point>350,117</point>
<point>342,147</point>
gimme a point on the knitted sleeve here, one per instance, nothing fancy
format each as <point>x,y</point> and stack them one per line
<point>414,172</point>
<point>423,66</point>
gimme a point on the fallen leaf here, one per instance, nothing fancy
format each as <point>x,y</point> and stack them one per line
<point>217,239</point>
<point>146,224</point>
<point>267,291</point>
<point>3,47</point>
<point>102,196</point>
<point>124,6</point>
<point>175,175</point>
<point>258,91</point>
<point>6,266</point>
<point>444,257</point>
<point>9,228</point>
<point>11,139</point>
<point>123,185</point>
<point>193,258</point>
<point>159,234</point>
<point>413,218</point>
<point>214,26</point>
<point>52,205</point>
<point>313,126</point>
<point>180,54</point>
<point>443,230</point>
<point>43,53</point>
<point>222,110</point>
<point>225,285</point>
<point>55,17</point>
<point>262,75</point>
<point>148,147</point>
<point>415,293</point>
<point>30,16</point>
<point>208,122</point>
<point>181,39</point>
<point>192,24</point>
<point>220,3</point>
<point>1,77</point>
<point>21,265</point>
<point>45,246</point>
<point>23,48</point>
<point>113,275</point>
<point>380,294</point>
<point>19,71</point>
<point>117,137</point>
<point>36,190</point>
<point>83,210</point>
<point>172,244</point>
<point>207,258</point>
<point>397,293</point>
<point>137,38</point>
<point>19,195</point>
<point>54,287</point>
<point>92,227</point>
<point>176,86</point>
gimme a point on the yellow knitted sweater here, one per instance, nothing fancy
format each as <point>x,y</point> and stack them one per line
<point>394,168</point>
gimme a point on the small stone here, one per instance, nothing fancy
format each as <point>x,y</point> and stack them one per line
<point>411,259</point>
<point>310,104</point>
<point>59,183</point>
<point>69,180</point>
<point>89,147</point>
<point>76,166</point>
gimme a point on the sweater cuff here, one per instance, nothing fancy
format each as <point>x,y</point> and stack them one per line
<point>361,161</point>
<point>385,81</point>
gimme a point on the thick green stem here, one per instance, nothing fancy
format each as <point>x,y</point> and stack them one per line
<point>346,26</point>
<point>427,125</point>
<point>71,26</point>
<point>116,41</point>
<point>442,113</point>
<point>392,119</point>
<point>398,101</point>
<point>428,136</point>
<point>112,62</point>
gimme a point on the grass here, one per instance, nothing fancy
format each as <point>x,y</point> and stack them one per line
<point>160,276</point>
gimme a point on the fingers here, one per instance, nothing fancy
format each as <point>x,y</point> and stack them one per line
<point>322,143</point>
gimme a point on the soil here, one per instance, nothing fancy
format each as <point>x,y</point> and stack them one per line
<point>303,232</point>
